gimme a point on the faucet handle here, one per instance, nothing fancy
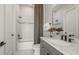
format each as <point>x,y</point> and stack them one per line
<point>71,35</point>
<point>71,38</point>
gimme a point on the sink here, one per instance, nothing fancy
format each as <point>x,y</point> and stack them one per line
<point>59,42</point>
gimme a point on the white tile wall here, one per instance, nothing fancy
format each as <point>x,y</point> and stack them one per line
<point>28,48</point>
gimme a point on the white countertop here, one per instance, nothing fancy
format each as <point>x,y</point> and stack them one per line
<point>72,49</point>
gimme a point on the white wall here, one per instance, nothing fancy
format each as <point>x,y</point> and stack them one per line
<point>10,28</point>
<point>27,13</point>
<point>7,28</point>
<point>48,12</point>
<point>1,28</point>
<point>27,32</point>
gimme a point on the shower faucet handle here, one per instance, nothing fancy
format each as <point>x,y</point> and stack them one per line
<point>12,34</point>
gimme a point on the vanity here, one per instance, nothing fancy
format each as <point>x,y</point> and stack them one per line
<point>52,46</point>
<point>47,49</point>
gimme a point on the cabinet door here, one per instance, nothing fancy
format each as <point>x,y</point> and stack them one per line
<point>47,52</point>
<point>42,51</point>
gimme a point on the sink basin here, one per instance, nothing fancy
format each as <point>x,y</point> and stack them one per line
<point>59,42</point>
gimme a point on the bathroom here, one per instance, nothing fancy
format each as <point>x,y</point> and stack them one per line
<point>30,29</point>
<point>61,24</point>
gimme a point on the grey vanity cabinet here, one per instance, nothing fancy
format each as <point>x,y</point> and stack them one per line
<point>42,51</point>
<point>47,52</point>
<point>46,49</point>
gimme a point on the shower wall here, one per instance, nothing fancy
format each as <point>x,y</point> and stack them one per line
<point>27,32</point>
<point>26,23</point>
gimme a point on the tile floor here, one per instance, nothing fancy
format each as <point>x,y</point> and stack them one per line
<point>28,48</point>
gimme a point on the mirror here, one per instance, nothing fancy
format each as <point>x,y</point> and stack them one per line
<point>65,17</point>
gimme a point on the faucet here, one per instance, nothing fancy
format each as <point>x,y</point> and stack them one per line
<point>70,38</point>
